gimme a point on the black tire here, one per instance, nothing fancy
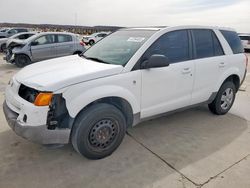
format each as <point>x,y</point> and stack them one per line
<point>22,60</point>
<point>222,104</point>
<point>98,131</point>
<point>91,42</point>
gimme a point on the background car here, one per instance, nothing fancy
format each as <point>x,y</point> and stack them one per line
<point>245,39</point>
<point>19,36</point>
<point>95,37</point>
<point>44,46</point>
<point>10,32</point>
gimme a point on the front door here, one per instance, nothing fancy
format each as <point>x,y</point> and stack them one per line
<point>43,48</point>
<point>168,88</point>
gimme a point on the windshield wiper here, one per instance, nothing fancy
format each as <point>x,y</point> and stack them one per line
<point>96,59</point>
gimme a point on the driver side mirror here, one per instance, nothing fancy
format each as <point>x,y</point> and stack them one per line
<point>34,43</point>
<point>156,61</point>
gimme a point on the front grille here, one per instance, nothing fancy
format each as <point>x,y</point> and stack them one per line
<point>27,93</point>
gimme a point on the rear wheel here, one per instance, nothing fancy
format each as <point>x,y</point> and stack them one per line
<point>22,60</point>
<point>98,131</point>
<point>224,99</point>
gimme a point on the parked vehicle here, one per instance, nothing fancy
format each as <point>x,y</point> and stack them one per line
<point>129,76</point>
<point>245,39</point>
<point>3,30</point>
<point>12,31</point>
<point>19,36</point>
<point>43,46</point>
<point>94,38</point>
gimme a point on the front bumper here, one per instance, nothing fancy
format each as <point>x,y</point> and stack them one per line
<point>38,134</point>
<point>9,56</point>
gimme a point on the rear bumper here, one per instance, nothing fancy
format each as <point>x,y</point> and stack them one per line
<point>38,134</point>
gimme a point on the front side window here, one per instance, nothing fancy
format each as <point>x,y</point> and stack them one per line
<point>234,41</point>
<point>118,47</point>
<point>64,38</point>
<point>46,39</point>
<point>174,45</point>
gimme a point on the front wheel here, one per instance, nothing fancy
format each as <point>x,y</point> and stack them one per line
<point>22,60</point>
<point>224,99</point>
<point>98,131</point>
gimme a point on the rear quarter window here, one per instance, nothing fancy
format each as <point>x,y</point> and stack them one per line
<point>233,40</point>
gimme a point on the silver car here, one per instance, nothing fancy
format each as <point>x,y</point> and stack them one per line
<point>6,33</point>
<point>43,46</point>
<point>20,36</point>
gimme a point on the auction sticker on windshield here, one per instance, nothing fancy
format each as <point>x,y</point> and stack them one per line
<point>136,39</point>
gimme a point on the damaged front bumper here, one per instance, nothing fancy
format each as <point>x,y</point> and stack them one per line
<point>9,56</point>
<point>38,134</point>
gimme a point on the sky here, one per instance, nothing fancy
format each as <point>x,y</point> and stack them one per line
<point>129,13</point>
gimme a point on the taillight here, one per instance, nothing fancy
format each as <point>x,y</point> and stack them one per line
<point>82,43</point>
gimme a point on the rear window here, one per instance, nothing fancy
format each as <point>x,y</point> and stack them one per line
<point>233,40</point>
<point>245,37</point>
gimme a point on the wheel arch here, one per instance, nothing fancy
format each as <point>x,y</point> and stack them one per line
<point>122,104</point>
<point>115,95</point>
<point>235,78</point>
<point>232,74</point>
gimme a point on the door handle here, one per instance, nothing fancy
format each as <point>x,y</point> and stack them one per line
<point>186,70</point>
<point>222,64</point>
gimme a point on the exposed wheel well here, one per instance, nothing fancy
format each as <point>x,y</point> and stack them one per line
<point>235,79</point>
<point>119,103</point>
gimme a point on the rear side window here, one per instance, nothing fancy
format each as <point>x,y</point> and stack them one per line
<point>218,51</point>
<point>233,40</point>
<point>174,45</point>
<point>25,36</point>
<point>64,38</point>
<point>206,43</point>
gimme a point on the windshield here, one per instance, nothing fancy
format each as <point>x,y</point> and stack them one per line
<point>118,47</point>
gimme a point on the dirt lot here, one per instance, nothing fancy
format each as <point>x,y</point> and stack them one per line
<point>188,149</point>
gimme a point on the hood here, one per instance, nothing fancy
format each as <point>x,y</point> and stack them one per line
<point>58,73</point>
<point>16,42</point>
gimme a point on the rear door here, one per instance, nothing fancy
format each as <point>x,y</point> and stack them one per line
<point>65,45</point>
<point>44,47</point>
<point>209,59</point>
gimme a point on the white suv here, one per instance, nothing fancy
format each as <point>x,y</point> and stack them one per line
<point>130,76</point>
